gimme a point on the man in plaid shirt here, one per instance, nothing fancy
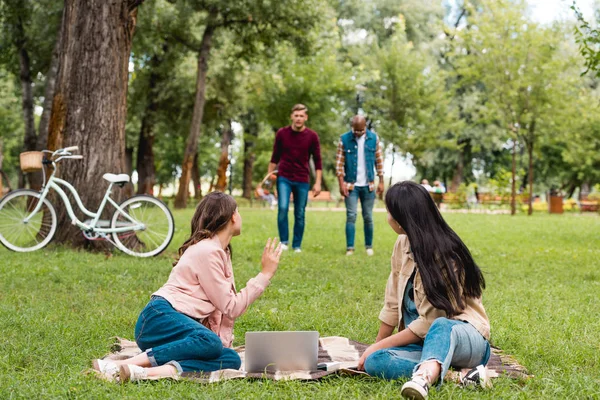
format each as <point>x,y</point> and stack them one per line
<point>359,155</point>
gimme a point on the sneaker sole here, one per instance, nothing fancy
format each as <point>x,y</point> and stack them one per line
<point>124,373</point>
<point>412,394</point>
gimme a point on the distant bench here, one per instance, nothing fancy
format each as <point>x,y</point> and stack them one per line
<point>587,205</point>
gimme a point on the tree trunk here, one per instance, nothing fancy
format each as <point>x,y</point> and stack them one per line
<point>457,177</point>
<point>42,139</point>
<point>530,154</point>
<point>30,137</point>
<point>35,179</point>
<point>392,166</point>
<point>191,147</point>
<point>513,190</point>
<point>196,179</point>
<point>463,164</point>
<point>226,138</point>
<point>250,136</point>
<point>145,159</point>
<point>1,172</point>
<point>89,106</point>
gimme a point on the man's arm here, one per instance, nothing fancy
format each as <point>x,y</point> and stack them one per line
<point>340,161</point>
<point>316,153</point>
<point>276,155</point>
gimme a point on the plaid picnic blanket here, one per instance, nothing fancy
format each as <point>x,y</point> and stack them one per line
<point>339,353</point>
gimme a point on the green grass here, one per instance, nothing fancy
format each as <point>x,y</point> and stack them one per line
<point>59,308</point>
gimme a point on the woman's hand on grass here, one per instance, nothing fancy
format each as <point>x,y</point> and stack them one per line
<point>270,257</point>
<point>370,350</point>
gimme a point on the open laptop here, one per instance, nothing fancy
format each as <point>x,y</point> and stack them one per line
<point>281,351</point>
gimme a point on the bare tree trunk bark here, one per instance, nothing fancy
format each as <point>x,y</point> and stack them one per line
<point>196,179</point>
<point>145,159</point>
<point>129,160</point>
<point>191,147</point>
<point>530,154</point>
<point>42,139</point>
<point>1,162</point>
<point>35,179</point>
<point>513,191</point>
<point>457,177</point>
<point>226,138</point>
<point>530,143</point>
<point>30,137</point>
<point>250,136</point>
<point>89,106</point>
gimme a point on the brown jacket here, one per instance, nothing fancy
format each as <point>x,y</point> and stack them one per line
<point>403,265</point>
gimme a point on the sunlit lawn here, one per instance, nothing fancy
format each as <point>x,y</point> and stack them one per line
<point>59,308</point>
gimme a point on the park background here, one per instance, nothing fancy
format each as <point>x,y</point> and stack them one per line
<point>186,95</point>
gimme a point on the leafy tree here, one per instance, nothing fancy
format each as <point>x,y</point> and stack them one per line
<point>255,24</point>
<point>516,61</point>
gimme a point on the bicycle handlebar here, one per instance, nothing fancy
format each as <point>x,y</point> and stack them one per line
<point>70,149</point>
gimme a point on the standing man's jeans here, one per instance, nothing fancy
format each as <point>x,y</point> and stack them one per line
<point>300,190</point>
<point>449,342</point>
<point>367,199</point>
<point>170,337</point>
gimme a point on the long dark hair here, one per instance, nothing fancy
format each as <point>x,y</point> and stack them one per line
<point>447,269</point>
<point>212,214</point>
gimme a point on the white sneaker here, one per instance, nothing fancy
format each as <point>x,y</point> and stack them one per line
<point>107,368</point>
<point>370,252</point>
<point>478,376</point>
<point>132,373</point>
<point>415,389</point>
<point>284,246</point>
<point>298,250</point>
<point>349,252</point>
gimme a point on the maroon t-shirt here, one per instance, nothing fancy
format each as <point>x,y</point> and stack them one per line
<point>292,151</point>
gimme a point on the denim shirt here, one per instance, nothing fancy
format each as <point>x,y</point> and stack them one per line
<point>409,308</point>
<point>351,155</point>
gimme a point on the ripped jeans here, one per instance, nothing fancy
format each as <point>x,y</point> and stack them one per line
<point>449,342</point>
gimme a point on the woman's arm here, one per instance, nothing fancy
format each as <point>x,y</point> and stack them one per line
<point>402,338</point>
<point>218,288</point>
<point>385,331</point>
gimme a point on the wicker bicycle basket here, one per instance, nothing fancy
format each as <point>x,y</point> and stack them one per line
<point>31,161</point>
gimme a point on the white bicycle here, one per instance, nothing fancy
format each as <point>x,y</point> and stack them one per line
<point>141,226</point>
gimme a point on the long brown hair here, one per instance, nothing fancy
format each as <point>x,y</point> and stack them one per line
<point>444,262</point>
<point>212,215</point>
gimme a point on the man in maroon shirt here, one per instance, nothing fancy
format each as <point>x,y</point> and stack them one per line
<point>292,149</point>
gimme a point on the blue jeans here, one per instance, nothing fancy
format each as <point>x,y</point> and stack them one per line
<point>300,190</point>
<point>449,342</point>
<point>170,337</point>
<point>367,199</point>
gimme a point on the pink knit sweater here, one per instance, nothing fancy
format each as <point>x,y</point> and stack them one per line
<point>202,286</point>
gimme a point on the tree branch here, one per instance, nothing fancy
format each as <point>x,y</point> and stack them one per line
<point>190,45</point>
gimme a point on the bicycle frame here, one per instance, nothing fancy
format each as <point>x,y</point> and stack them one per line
<point>53,184</point>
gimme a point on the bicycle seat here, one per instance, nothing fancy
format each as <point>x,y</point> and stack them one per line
<point>112,178</point>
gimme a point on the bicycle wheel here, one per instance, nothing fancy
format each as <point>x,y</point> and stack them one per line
<point>158,230</point>
<point>37,232</point>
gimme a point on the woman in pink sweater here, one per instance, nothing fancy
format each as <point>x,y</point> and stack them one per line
<point>187,325</point>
